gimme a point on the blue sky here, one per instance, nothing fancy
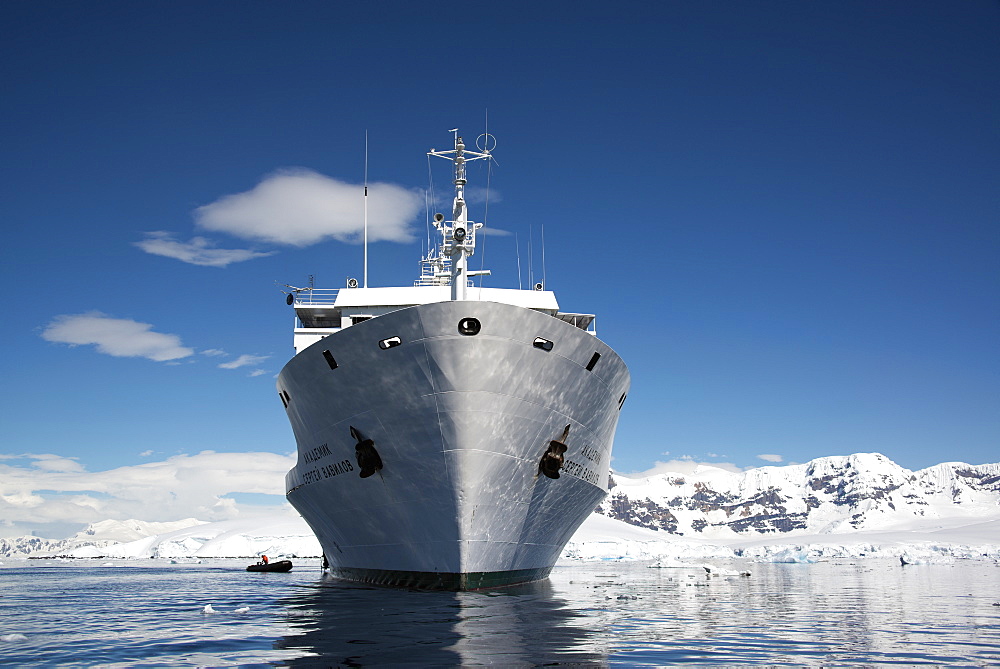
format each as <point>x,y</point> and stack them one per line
<point>784,214</point>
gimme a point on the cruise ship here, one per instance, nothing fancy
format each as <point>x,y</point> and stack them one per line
<point>449,436</point>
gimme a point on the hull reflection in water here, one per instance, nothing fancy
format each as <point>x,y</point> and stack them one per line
<point>628,614</point>
<point>349,624</point>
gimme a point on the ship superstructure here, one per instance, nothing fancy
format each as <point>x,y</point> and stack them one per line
<point>449,436</point>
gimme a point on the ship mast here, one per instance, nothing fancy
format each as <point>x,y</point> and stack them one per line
<point>458,235</point>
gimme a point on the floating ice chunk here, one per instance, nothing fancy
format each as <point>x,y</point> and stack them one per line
<point>9,638</point>
<point>721,571</point>
<point>242,609</point>
<point>791,555</point>
<point>208,609</point>
<point>931,558</point>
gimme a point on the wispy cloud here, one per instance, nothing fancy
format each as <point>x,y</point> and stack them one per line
<point>244,361</point>
<point>299,207</point>
<point>213,352</point>
<point>479,195</point>
<point>770,457</point>
<point>196,251</point>
<point>493,232</point>
<point>119,337</point>
<point>36,495</point>
<point>46,462</point>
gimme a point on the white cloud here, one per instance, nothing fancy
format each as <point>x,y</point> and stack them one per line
<point>197,251</point>
<point>213,352</point>
<point>119,337</point>
<point>770,457</point>
<point>146,454</point>
<point>299,207</point>
<point>244,361</point>
<point>684,465</point>
<point>55,463</point>
<point>258,372</point>
<point>33,496</point>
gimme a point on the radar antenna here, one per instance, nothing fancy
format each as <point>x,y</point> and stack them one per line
<point>458,235</point>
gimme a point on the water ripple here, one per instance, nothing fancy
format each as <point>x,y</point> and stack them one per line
<point>588,614</point>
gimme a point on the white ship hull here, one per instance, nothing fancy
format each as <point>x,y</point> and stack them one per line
<point>460,423</point>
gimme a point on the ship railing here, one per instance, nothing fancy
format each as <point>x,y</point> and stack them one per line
<point>586,322</point>
<point>317,296</point>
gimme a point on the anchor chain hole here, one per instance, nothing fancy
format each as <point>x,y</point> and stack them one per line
<point>469,326</point>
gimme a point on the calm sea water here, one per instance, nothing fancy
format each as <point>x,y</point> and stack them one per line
<point>607,613</point>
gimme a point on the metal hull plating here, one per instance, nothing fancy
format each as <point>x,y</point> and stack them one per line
<point>460,422</point>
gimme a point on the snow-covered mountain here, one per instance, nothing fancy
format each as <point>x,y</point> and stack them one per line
<point>283,534</point>
<point>95,538</point>
<point>836,506</point>
<point>832,495</point>
<point>119,531</point>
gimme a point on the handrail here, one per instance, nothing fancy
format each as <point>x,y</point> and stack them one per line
<point>317,296</point>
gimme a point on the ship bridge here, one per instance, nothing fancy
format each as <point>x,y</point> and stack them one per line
<point>321,312</point>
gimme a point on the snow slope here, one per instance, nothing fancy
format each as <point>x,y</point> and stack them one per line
<point>853,506</point>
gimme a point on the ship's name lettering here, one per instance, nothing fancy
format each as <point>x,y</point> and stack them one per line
<point>317,453</point>
<point>326,471</point>
<point>591,453</point>
<point>580,471</point>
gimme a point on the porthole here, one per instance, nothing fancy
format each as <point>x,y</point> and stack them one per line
<point>543,344</point>
<point>391,342</point>
<point>283,400</point>
<point>469,326</point>
<point>330,360</point>
<point>593,361</point>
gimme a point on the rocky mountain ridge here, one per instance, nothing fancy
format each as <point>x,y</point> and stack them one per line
<point>837,494</point>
